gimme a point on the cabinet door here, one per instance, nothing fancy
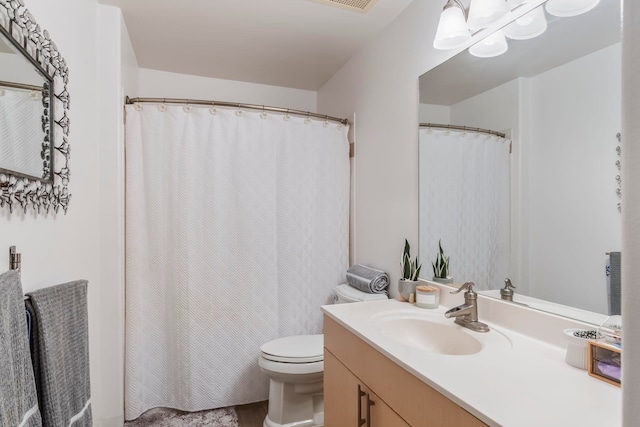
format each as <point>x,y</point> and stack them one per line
<point>381,415</point>
<point>343,393</point>
<point>340,394</point>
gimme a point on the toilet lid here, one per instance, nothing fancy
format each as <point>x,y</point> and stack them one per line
<point>295,349</point>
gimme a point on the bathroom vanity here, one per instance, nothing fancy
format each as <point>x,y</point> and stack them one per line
<point>390,364</point>
<point>361,383</point>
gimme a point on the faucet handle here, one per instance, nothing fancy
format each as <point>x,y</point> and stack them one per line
<point>465,286</point>
<point>508,284</point>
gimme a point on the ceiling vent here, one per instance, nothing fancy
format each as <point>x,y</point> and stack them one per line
<point>355,5</point>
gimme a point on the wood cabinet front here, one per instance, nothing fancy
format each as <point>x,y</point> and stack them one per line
<point>350,403</point>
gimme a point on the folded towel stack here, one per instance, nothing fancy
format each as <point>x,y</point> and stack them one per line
<point>60,351</point>
<point>368,279</point>
<point>18,398</point>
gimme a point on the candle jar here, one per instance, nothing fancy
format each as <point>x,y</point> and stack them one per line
<point>427,296</point>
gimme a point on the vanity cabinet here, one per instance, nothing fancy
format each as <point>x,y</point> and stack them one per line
<point>357,374</point>
<point>351,401</point>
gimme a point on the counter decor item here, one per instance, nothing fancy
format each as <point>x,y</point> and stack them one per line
<point>410,271</point>
<point>427,296</point>
<point>577,340</point>
<point>441,267</point>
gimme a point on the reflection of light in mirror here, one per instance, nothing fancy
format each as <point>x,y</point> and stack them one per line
<point>35,96</point>
<point>484,12</point>
<point>565,8</point>
<point>452,29</point>
<point>494,45</point>
<point>528,26</point>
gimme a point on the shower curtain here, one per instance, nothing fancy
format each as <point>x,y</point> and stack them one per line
<point>465,203</point>
<point>236,233</point>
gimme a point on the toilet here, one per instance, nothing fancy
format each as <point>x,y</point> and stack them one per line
<point>295,367</point>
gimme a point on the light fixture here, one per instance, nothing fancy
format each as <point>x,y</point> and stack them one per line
<point>565,8</point>
<point>528,26</point>
<point>484,12</point>
<point>452,29</point>
<point>491,46</point>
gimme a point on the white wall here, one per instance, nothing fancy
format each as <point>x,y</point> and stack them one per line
<point>576,110</point>
<point>59,248</point>
<point>631,213</point>
<point>88,241</point>
<point>162,84</point>
<point>380,84</point>
<point>429,113</point>
<point>385,99</point>
<point>117,74</point>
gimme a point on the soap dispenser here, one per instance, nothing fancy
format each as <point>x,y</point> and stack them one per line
<point>506,293</point>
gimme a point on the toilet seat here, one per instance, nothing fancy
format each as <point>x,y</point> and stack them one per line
<point>298,349</point>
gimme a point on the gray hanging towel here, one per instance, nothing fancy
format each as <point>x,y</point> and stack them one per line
<point>367,279</point>
<point>60,351</point>
<point>615,280</point>
<point>18,399</point>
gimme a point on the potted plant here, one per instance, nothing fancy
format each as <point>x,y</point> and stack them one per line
<point>410,271</point>
<point>441,267</point>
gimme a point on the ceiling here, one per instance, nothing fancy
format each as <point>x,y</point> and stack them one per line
<point>291,43</point>
<point>565,40</point>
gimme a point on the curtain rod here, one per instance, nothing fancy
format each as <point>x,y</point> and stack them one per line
<point>463,128</point>
<point>14,85</point>
<point>235,105</point>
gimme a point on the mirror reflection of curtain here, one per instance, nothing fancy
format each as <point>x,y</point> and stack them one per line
<point>237,232</point>
<point>465,203</point>
<point>21,135</point>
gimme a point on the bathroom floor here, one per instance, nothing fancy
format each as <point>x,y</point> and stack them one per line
<point>252,415</point>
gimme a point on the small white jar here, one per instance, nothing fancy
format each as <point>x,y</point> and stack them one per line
<point>577,347</point>
<point>427,296</point>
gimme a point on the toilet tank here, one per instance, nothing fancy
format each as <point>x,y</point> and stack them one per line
<point>345,293</point>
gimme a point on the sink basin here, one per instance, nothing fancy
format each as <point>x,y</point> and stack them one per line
<point>432,333</point>
<point>430,336</point>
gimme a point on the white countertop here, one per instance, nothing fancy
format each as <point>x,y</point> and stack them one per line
<point>523,383</point>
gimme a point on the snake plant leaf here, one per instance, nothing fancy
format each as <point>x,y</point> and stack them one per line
<point>415,277</point>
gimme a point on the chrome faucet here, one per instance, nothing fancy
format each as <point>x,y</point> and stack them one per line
<point>467,314</point>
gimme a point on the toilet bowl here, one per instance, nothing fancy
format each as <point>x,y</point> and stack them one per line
<point>295,367</point>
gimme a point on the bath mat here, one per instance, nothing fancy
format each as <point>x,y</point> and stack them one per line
<point>162,417</point>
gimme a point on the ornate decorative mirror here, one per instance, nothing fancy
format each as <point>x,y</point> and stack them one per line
<point>34,114</point>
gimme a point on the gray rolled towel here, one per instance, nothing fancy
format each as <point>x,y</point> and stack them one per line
<point>18,399</point>
<point>60,348</point>
<point>367,279</point>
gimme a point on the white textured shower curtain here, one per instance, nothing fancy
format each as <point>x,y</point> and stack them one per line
<point>465,203</point>
<point>236,232</point>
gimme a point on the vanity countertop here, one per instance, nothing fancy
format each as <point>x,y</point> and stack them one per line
<point>528,385</point>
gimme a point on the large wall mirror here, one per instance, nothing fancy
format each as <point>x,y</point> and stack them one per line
<point>34,121</point>
<point>535,200</point>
